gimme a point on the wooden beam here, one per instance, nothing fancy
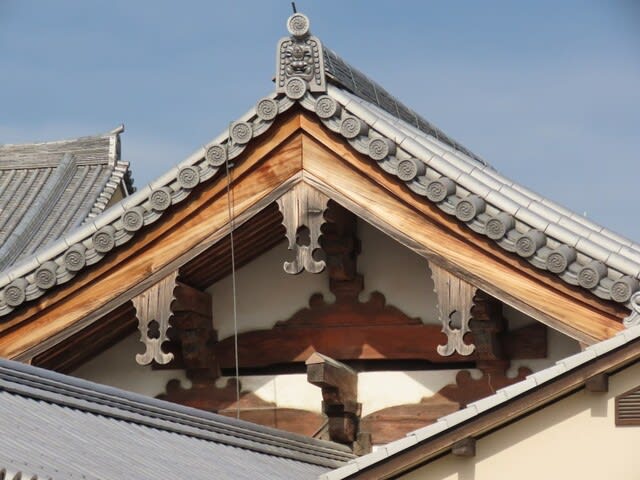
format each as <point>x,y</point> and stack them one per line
<point>70,354</point>
<point>357,185</point>
<point>263,348</point>
<point>464,448</point>
<point>508,412</point>
<point>184,233</point>
<point>339,385</point>
<point>598,383</point>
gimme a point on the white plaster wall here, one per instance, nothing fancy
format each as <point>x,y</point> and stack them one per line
<point>399,273</point>
<point>378,390</point>
<point>573,438</point>
<point>558,345</point>
<point>117,367</point>
<point>266,294</point>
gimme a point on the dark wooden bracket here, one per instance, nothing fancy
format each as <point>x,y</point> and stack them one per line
<point>598,383</point>
<point>339,385</point>
<point>193,331</point>
<point>465,447</point>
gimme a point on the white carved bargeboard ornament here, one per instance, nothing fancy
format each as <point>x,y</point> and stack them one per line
<point>154,304</point>
<point>303,206</point>
<point>455,296</point>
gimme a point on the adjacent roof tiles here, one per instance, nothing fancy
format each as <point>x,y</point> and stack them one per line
<point>53,426</point>
<point>49,189</point>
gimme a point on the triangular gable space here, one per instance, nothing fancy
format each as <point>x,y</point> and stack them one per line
<point>321,144</point>
<point>291,160</point>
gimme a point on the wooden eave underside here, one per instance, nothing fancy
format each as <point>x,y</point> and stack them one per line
<point>299,149</point>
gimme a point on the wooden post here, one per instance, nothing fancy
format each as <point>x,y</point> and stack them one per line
<point>339,385</point>
<point>598,383</point>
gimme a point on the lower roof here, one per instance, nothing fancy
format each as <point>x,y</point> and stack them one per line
<point>457,421</point>
<point>54,426</point>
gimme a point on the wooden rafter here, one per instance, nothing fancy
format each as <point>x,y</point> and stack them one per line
<point>298,149</point>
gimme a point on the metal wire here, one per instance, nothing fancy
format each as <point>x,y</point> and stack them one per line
<point>233,277</point>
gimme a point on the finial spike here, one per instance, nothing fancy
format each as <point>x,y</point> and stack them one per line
<point>293,7</point>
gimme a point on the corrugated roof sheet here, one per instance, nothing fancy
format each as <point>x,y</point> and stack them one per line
<point>64,428</point>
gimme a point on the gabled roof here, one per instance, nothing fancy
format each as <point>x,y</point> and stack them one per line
<point>598,356</point>
<point>49,189</point>
<point>54,426</point>
<point>441,173</point>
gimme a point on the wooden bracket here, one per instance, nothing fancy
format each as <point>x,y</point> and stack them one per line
<point>153,310</point>
<point>598,383</point>
<point>193,330</point>
<point>455,298</point>
<point>487,325</point>
<point>464,448</point>
<point>339,385</point>
<point>303,207</point>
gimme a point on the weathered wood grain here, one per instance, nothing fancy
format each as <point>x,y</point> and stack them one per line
<point>403,218</point>
<point>187,231</point>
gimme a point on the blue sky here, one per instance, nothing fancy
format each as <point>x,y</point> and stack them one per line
<point>548,92</point>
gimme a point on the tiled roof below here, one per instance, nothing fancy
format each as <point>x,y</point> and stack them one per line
<point>63,428</point>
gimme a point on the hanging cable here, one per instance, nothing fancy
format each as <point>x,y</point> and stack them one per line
<point>231,210</point>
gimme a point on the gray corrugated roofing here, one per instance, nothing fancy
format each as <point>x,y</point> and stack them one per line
<point>477,408</point>
<point>49,189</point>
<point>398,141</point>
<point>64,428</point>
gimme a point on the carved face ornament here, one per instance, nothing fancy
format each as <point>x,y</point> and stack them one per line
<point>299,61</point>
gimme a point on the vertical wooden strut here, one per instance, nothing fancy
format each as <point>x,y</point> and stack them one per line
<point>153,310</point>
<point>455,297</point>
<point>339,385</point>
<point>303,206</point>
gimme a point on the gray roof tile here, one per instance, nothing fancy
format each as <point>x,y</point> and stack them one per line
<point>68,428</point>
<point>49,189</point>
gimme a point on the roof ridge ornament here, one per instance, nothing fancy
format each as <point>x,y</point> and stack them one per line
<point>300,60</point>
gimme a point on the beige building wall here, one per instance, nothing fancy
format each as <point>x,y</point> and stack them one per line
<point>266,294</point>
<point>574,438</point>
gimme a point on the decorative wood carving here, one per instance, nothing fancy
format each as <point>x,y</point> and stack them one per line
<point>339,385</point>
<point>455,298</point>
<point>393,423</point>
<point>347,329</point>
<point>206,395</point>
<point>303,207</point>
<point>153,310</point>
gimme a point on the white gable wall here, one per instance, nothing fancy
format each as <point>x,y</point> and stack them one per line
<point>266,294</point>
